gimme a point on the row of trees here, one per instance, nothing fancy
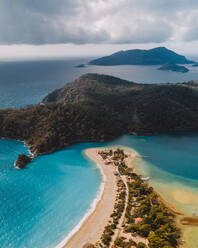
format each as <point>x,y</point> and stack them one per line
<point>116,215</point>
<point>157,224</point>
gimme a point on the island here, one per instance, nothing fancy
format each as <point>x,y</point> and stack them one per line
<point>155,56</point>
<point>22,161</point>
<point>72,114</point>
<point>80,66</point>
<point>173,67</point>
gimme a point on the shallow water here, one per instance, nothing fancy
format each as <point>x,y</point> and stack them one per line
<point>172,163</point>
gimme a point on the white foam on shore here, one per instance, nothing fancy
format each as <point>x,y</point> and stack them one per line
<point>29,151</point>
<point>89,211</point>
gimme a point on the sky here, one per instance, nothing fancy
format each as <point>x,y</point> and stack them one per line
<point>45,28</point>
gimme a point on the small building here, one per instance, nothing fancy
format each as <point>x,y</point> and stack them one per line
<point>138,220</point>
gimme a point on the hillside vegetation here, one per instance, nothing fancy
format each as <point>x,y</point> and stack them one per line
<point>99,108</point>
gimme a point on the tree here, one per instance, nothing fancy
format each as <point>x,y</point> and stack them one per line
<point>132,228</point>
<point>141,245</point>
<point>144,230</point>
<point>155,241</point>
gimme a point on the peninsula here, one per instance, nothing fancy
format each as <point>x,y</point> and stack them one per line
<point>99,108</point>
<point>155,56</point>
<point>134,214</point>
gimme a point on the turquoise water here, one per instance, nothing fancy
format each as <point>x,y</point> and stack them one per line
<point>42,203</point>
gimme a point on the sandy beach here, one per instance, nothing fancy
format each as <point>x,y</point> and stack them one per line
<point>93,227</point>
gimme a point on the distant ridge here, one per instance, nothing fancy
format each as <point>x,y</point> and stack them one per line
<point>155,56</point>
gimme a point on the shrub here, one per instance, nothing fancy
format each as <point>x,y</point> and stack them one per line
<point>141,245</point>
<point>144,230</point>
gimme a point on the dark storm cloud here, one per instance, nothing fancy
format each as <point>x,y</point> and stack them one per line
<point>97,21</point>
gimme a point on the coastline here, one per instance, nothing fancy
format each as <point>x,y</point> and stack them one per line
<point>31,154</point>
<point>87,214</point>
<point>88,230</point>
<point>180,198</point>
<point>96,216</point>
<point>83,228</point>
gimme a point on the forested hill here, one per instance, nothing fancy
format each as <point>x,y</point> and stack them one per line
<point>154,56</point>
<point>98,108</point>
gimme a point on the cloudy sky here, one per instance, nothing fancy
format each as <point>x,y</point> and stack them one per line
<point>80,27</point>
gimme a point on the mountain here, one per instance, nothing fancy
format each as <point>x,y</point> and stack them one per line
<point>173,67</point>
<point>99,108</point>
<point>155,56</point>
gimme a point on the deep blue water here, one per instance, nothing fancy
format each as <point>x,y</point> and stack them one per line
<point>23,83</point>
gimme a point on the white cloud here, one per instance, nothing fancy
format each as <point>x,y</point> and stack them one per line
<point>97,21</point>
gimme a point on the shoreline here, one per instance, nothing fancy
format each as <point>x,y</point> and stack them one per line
<point>89,212</point>
<point>188,221</point>
<point>83,232</point>
<point>31,154</point>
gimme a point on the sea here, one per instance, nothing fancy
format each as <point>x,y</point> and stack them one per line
<point>44,203</point>
<point>28,82</point>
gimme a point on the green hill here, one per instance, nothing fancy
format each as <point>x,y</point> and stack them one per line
<point>99,108</point>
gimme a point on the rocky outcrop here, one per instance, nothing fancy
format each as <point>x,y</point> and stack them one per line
<point>22,161</point>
